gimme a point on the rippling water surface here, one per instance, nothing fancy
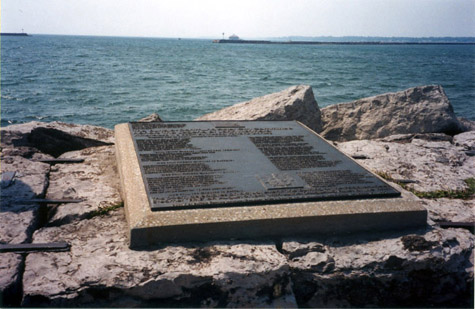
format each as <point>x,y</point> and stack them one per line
<point>108,80</point>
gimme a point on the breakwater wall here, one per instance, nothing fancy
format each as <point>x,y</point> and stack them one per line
<point>339,43</point>
<point>14,34</point>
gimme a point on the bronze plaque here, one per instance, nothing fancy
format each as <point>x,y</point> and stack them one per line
<point>232,163</point>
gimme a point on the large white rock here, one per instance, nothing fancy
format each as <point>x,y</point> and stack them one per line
<point>294,103</point>
<point>424,109</point>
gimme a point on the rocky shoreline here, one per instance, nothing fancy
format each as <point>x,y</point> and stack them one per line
<point>412,138</point>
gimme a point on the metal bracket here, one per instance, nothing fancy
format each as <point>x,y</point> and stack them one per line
<point>462,225</point>
<point>41,247</point>
<point>46,201</point>
<point>66,160</point>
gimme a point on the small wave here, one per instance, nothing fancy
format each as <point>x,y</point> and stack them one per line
<point>7,97</point>
<point>115,103</point>
<point>149,78</point>
<point>322,85</point>
<point>120,92</point>
<point>76,90</point>
<point>10,83</point>
<point>91,101</point>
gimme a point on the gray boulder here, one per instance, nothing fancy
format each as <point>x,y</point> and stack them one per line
<point>424,109</point>
<point>294,103</point>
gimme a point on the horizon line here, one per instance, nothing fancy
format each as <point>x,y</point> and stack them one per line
<point>252,38</point>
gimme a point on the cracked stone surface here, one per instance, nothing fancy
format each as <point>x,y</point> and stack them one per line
<point>95,181</point>
<point>30,181</point>
<point>432,266</point>
<point>465,140</point>
<point>18,219</point>
<point>218,274</point>
<point>434,165</point>
<point>10,278</point>
<point>451,210</point>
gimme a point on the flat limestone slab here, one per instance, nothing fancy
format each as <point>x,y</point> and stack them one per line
<point>191,181</point>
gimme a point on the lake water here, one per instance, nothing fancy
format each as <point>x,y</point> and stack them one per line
<point>109,80</point>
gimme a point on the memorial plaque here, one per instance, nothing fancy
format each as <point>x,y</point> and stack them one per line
<point>188,165</point>
<point>200,181</point>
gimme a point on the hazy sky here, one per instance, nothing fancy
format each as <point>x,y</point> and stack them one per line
<point>246,18</point>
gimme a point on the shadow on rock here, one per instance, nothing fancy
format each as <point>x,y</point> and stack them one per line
<point>56,142</point>
<point>15,197</point>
